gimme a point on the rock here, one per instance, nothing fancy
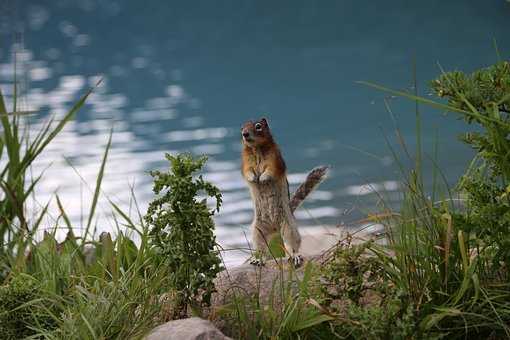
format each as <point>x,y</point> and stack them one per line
<point>249,280</point>
<point>186,329</point>
<point>247,286</point>
<point>317,240</point>
<point>252,287</point>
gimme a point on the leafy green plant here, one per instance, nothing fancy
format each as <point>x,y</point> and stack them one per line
<point>355,287</point>
<point>182,229</point>
<point>350,272</point>
<point>450,260</point>
<point>486,95</point>
<point>477,93</point>
<point>388,321</point>
<point>20,308</point>
<point>483,99</point>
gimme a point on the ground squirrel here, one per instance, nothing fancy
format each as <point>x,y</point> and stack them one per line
<point>264,170</point>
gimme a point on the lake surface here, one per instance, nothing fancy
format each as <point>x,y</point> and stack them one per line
<point>183,76</point>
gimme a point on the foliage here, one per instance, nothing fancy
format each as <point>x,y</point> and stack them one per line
<point>105,290</point>
<point>450,260</point>
<point>289,312</point>
<point>20,308</point>
<point>183,229</point>
<point>444,271</point>
<point>350,273</point>
<point>487,220</point>
<point>486,94</point>
<point>482,90</point>
<point>483,98</point>
<point>100,308</point>
<point>79,288</point>
<point>388,321</point>
<point>102,289</point>
<point>21,151</point>
<point>356,287</point>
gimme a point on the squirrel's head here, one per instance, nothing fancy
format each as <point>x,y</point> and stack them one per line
<point>256,133</point>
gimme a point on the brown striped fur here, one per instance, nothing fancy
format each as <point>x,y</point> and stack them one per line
<point>314,178</point>
<point>264,170</point>
<point>260,153</point>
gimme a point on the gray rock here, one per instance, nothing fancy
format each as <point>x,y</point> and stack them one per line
<point>249,280</point>
<point>249,283</point>
<point>186,329</point>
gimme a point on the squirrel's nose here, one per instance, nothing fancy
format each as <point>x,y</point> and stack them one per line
<point>246,134</point>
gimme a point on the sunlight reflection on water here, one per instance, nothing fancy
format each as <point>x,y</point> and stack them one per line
<point>71,162</point>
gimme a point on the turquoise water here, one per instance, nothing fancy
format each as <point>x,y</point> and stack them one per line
<point>183,76</point>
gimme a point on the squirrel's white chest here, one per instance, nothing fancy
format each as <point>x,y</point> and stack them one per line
<point>271,200</point>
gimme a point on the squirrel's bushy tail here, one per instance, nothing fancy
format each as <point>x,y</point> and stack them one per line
<point>314,178</point>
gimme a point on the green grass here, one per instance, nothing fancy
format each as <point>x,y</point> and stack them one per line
<point>443,271</point>
<point>451,261</point>
<point>82,288</point>
<point>288,311</point>
<point>21,151</point>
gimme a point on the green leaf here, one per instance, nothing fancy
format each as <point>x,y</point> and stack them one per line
<point>310,319</point>
<point>99,180</point>
<point>276,246</point>
<point>429,102</point>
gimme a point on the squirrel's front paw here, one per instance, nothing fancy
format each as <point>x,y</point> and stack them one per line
<point>251,177</point>
<point>265,177</point>
<point>257,262</point>
<point>296,260</point>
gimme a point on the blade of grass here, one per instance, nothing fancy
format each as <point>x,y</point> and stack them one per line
<point>63,213</point>
<point>69,116</point>
<point>429,102</point>
<point>99,180</point>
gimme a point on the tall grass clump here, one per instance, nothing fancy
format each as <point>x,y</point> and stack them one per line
<point>18,151</point>
<point>81,287</point>
<point>450,261</point>
<point>112,297</point>
<point>17,310</point>
<point>288,311</point>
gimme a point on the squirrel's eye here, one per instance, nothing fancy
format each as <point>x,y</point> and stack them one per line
<point>258,127</point>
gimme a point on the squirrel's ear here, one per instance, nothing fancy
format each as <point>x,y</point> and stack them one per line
<point>263,120</point>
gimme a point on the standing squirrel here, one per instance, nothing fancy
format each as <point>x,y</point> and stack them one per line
<point>264,170</point>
